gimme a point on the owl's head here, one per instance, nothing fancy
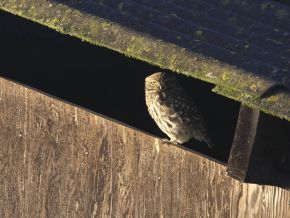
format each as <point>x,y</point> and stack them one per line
<point>160,80</point>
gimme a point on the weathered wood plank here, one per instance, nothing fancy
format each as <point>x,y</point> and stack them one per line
<point>57,160</point>
<point>245,134</point>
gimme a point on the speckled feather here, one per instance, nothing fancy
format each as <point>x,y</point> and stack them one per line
<point>173,110</point>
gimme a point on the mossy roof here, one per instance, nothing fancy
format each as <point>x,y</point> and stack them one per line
<point>241,46</point>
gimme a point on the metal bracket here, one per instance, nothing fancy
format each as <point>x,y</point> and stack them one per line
<point>261,149</point>
<point>243,142</point>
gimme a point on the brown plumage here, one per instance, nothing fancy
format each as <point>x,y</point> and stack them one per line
<point>172,109</point>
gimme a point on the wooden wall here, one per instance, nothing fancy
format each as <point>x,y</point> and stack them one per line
<point>57,160</point>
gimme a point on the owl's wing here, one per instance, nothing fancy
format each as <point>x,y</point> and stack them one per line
<point>190,115</point>
<point>184,105</point>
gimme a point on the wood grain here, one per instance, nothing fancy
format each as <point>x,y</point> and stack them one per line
<point>57,160</point>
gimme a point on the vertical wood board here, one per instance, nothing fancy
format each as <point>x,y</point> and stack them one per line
<point>57,160</point>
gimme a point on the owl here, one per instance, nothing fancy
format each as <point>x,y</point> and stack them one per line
<point>173,110</point>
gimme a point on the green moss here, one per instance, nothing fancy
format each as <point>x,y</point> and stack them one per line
<point>225,2</point>
<point>281,13</point>
<point>199,33</point>
<point>277,105</point>
<point>265,5</point>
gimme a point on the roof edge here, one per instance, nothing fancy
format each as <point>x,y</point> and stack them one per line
<point>231,81</point>
<point>277,104</point>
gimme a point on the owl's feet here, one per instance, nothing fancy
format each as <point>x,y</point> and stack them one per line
<point>169,141</point>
